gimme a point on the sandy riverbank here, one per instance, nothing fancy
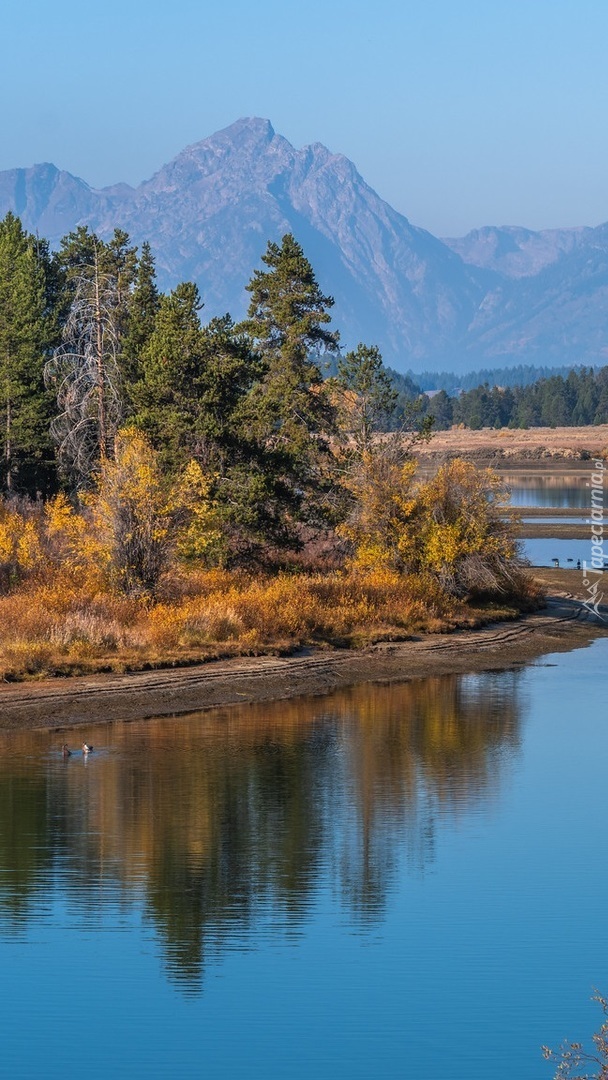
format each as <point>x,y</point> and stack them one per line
<point>57,703</point>
<point>542,531</point>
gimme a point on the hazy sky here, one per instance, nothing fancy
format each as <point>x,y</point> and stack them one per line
<point>458,112</point>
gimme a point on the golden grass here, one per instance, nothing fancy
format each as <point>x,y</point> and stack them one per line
<point>67,623</point>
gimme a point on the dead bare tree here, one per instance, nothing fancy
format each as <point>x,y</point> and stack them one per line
<point>84,372</point>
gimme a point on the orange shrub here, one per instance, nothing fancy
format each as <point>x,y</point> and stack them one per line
<point>65,616</point>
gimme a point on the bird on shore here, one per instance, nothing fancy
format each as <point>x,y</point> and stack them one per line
<point>65,750</point>
<point>86,749</point>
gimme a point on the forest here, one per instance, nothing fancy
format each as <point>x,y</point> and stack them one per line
<point>577,398</point>
<point>173,489</point>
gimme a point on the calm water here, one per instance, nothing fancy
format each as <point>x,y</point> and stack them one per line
<point>398,882</point>
<point>556,520</point>
<point>541,552</point>
<point>560,489</point>
<point>565,490</point>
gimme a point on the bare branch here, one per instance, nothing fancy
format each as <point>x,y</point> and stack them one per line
<point>84,372</point>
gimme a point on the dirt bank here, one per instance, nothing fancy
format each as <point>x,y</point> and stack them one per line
<point>57,703</point>
<point>542,531</point>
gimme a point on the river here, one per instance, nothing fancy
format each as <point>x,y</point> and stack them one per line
<point>558,489</point>
<point>392,881</point>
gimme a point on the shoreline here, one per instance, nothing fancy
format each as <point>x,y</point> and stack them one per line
<point>80,700</point>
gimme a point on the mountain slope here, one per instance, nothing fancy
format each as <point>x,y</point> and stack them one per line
<point>495,297</point>
<point>210,212</point>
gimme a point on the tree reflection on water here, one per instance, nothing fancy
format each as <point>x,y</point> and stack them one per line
<point>220,824</point>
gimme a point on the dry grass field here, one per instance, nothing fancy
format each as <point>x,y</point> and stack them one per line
<point>532,444</point>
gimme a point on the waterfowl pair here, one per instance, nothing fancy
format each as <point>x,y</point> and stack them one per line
<point>65,750</point>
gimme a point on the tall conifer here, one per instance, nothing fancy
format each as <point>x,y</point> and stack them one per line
<point>27,329</point>
<point>289,410</point>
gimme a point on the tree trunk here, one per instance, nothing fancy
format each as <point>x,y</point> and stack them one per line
<point>100,369</point>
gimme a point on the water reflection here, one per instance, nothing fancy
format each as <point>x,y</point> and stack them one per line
<point>565,488</point>
<point>223,826</point>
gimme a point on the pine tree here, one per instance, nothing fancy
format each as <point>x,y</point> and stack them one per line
<point>27,332</point>
<point>194,402</point>
<point>368,395</point>
<point>142,309</point>
<point>250,489</point>
<point>82,251</point>
<point>287,324</point>
<point>119,257</point>
<point>289,411</point>
<point>288,312</point>
<point>166,396</point>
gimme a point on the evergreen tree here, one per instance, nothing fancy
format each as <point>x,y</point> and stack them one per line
<point>601,409</point>
<point>369,396</point>
<point>82,253</point>
<point>555,402</point>
<point>586,394</point>
<point>77,253</point>
<point>119,258</point>
<point>166,397</point>
<point>251,477</point>
<point>27,331</point>
<point>142,309</point>
<point>288,312</point>
<point>441,410</point>
<point>289,410</point>
<point>193,402</point>
<point>287,324</point>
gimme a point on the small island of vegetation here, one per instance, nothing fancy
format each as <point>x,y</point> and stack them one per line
<point>174,491</point>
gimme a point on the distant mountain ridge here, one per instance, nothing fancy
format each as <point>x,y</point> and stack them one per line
<point>496,297</point>
<point>516,252</point>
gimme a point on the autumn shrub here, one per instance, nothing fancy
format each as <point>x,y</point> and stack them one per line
<point>461,533</point>
<point>453,528</point>
<point>21,548</point>
<point>299,608</point>
<point>69,621</point>
<point>73,544</point>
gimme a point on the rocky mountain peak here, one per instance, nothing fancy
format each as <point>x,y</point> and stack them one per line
<point>499,295</point>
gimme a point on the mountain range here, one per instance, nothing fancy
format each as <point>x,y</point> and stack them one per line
<point>496,297</point>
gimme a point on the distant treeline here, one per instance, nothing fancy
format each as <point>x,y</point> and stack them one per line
<point>520,397</point>
<point>521,375</point>
<point>574,400</point>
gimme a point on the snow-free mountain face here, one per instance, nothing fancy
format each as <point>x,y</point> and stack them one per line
<point>210,212</point>
<point>517,252</point>
<point>497,296</point>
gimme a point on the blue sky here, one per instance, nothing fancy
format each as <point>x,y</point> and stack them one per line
<point>459,113</point>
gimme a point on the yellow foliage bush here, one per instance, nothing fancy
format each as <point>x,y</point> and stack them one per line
<point>20,545</point>
<point>453,526</point>
<point>143,517</point>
